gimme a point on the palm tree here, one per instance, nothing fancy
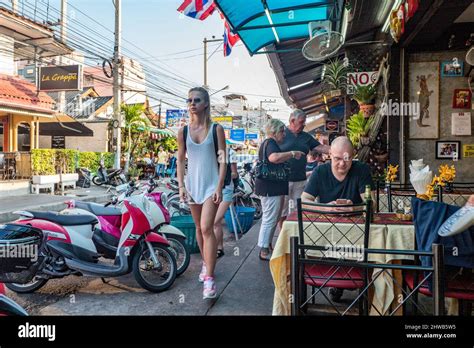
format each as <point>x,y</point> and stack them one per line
<point>136,123</point>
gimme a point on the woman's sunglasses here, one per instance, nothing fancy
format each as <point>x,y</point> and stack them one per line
<point>195,100</point>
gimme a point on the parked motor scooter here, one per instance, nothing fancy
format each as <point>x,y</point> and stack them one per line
<point>8,307</point>
<point>65,245</point>
<point>109,227</point>
<point>112,177</point>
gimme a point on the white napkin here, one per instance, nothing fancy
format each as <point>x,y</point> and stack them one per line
<point>417,165</point>
<point>420,179</point>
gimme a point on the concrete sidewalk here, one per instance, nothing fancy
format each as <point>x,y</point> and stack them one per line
<point>244,284</point>
<point>46,202</point>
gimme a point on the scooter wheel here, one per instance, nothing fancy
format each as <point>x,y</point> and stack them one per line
<point>28,287</point>
<point>154,278</point>
<point>180,252</point>
<point>96,180</point>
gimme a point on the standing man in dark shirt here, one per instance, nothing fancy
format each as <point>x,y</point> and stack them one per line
<point>298,140</point>
<point>342,179</point>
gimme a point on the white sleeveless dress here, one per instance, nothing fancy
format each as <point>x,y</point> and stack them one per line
<point>203,171</point>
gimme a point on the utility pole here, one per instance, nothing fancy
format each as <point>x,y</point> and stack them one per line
<point>159,115</point>
<point>15,5</point>
<point>63,32</point>
<point>116,70</point>
<point>205,41</point>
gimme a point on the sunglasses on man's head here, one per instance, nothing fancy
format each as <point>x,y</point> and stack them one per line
<point>195,100</point>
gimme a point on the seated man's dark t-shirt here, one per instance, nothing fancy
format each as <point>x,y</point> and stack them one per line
<point>323,184</point>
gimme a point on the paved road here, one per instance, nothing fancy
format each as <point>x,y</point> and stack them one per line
<point>245,287</point>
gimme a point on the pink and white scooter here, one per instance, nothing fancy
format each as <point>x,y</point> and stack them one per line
<point>66,246</point>
<point>107,237</point>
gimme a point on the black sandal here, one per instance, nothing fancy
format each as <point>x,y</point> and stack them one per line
<point>265,252</point>
<point>220,253</point>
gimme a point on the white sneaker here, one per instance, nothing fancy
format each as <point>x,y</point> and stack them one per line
<point>209,290</point>
<point>203,273</point>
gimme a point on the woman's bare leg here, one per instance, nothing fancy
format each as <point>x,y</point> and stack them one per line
<point>218,226</point>
<point>196,210</point>
<point>208,215</point>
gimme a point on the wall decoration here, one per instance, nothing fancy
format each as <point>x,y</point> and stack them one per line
<point>462,99</point>
<point>468,151</point>
<point>452,68</point>
<point>461,123</point>
<point>448,150</point>
<point>423,91</point>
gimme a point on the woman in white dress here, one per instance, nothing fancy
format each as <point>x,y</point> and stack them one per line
<point>202,189</point>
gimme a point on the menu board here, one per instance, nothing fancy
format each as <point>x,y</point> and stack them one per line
<point>58,142</point>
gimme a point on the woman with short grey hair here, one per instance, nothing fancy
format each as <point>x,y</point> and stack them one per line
<point>272,192</point>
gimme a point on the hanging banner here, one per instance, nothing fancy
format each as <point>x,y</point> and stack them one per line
<point>60,78</point>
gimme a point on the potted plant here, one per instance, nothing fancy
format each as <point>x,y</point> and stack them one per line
<point>358,128</point>
<point>365,96</point>
<point>335,78</point>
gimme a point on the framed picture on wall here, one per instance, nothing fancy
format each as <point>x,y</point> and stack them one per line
<point>452,68</point>
<point>448,150</point>
<point>462,99</point>
<point>423,95</point>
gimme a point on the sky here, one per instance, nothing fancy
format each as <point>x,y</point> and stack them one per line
<point>154,31</point>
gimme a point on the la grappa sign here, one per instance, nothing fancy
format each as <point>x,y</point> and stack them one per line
<point>60,78</point>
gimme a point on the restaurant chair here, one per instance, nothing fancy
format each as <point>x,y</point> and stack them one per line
<point>458,256</point>
<point>300,262</point>
<point>403,193</point>
<point>381,205</point>
<point>331,230</point>
<point>456,193</point>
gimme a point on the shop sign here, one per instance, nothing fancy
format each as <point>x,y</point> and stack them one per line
<point>360,79</point>
<point>176,119</point>
<point>60,78</point>
<point>331,126</point>
<point>224,121</point>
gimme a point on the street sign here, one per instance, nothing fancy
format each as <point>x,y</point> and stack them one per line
<point>60,78</point>
<point>237,134</point>
<point>251,136</point>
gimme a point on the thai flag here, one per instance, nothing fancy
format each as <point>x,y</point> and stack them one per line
<point>198,9</point>
<point>230,39</point>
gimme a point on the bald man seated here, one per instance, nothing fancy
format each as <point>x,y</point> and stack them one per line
<point>342,181</point>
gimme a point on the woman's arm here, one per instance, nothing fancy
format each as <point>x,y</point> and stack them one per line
<point>280,157</point>
<point>181,160</point>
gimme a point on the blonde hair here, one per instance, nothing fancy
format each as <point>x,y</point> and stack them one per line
<point>273,126</point>
<point>207,111</point>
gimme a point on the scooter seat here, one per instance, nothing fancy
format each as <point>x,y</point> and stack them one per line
<point>98,209</point>
<point>65,220</point>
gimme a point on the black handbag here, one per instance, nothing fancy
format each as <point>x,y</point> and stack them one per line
<point>266,170</point>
